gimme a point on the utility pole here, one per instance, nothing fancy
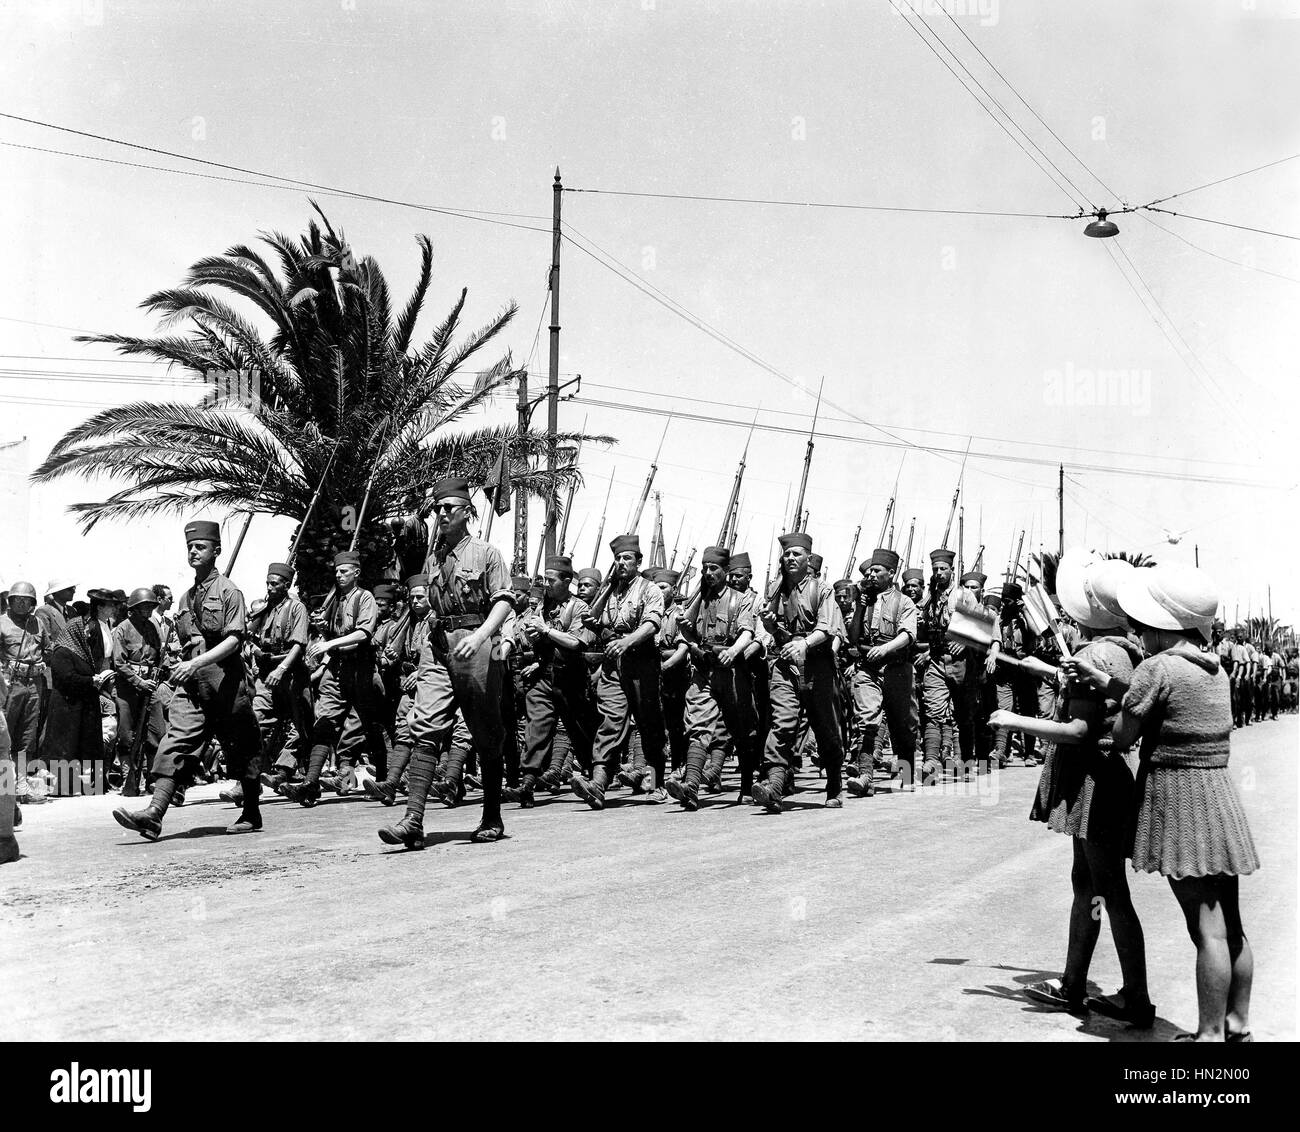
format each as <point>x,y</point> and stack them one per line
<point>1196,554</point>
<point>553,378</point>
<point>1060,511</point>
<point>521,495</point>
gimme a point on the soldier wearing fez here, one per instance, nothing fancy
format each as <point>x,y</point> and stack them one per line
<point>556,689</point>
<point>213,695</point>
<point>461,669</point>
<point>349,619</point>
<point>718,626</point>
<point>803,618</point>
<point>626,617</point>
<point>880,637</point>
<point>278,632</point>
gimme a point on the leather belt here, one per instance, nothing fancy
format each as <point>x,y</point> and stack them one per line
<point>460,621</point>
<point>23,670</point>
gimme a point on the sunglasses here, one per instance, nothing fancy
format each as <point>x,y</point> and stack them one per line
<point>448,506</point>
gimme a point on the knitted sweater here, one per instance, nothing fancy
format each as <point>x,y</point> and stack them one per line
<point>1183,699</point>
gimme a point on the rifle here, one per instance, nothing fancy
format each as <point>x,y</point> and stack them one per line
<point>135,767</point>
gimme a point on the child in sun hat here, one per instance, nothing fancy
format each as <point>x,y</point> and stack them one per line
<point>1191,824</point>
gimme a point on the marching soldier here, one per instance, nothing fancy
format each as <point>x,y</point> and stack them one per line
<point>941,667</point>
<point>626,616</point>
<point>880,637</point>
<point>1014,687</point>
<point>24,644</point>
<point>141,694</point>
<point>460,671</point>
<point>213,696</point>
<point>403,656</point>
<point>349,681</point>
<point>278,636</point>
<point>674,665</point>
<point>718,626</point>
<point>557,687</point>
<point>758,656</point>
<point>846,591</point>
<point>803,618</point>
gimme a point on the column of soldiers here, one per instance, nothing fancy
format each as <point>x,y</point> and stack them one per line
<point>462,678</point>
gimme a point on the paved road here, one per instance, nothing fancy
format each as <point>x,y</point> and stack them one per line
<point>906,916</point>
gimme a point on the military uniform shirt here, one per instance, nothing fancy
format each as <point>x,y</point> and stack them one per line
<point>565,618</point>
<point>134,650</point>
<point>355,611</point>
<point>642,601</point>
<point>468,578</point>
<point>24,642</point>
<point>278,628</point>
<point>808,608</point>
<point>216,611</point>
<point>721,619</point>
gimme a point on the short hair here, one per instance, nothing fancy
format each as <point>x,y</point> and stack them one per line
<point>160,590</point>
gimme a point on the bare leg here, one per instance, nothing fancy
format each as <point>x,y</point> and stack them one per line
<point>1243,961</point>
<point>1111,883</point>
<point>1202,905</point>
<point>1085,924</point>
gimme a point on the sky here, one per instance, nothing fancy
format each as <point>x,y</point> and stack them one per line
<point>930,331</point>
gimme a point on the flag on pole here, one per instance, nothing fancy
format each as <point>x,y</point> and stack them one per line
<point>497,486</point>
<point>1042,616</point>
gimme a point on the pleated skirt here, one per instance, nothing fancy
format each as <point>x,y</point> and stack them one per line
<point>1191,823</point>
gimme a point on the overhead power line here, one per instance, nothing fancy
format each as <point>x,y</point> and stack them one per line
<point>463,213</point>
<point>819,204</point>
<point>1216,255</point>
<point>1222,180</point>
<point>1087,168</point>
<point>1223,223</point>
<point>921,36</point>
<point>1037,461</point>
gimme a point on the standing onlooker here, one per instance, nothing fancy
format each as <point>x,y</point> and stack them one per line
<point>1087,791</point>
<point>1191,825</point>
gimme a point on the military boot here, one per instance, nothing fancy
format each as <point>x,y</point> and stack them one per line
<point>148,822</point>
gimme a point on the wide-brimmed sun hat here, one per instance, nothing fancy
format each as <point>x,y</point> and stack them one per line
<point>1074,590</point>
<point>1102,583</point>
<point>1171,597</point>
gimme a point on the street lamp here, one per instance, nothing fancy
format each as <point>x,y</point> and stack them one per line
<point>1101,228</point>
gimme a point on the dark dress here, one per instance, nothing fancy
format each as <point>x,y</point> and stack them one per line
<point>1085,790</point>
<point>73,732</point>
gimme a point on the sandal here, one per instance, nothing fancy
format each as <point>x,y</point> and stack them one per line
<point>487,833</point>
<point>1239,1037</point>
<point>1140,1017</point>
<point>1052,993</point>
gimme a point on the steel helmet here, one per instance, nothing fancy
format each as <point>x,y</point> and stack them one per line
<point>141,596</point>
<point>23,589</point>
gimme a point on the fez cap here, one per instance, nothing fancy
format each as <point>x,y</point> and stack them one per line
<point>739,561</point>
<point>454,487</point>
<point>796,538</point>
<point>521,583</point>
<point>347,558</point>
<point>719,555</point>
<point>974,576</point>
<point>845,584</point>
<point>621,543</point>
<point>385,589</point>
<point>993,599</point>
<point>281,570</point>
<point>883,556</point>
<point>592,573</point>
<point>663,574</point>
<point>815,562</point>
<point>202,529</point>
<point>561,564</point>
<point>943,555</point>
<point>417,580</point>
<point>1011,591</point>
<point>913,575</point>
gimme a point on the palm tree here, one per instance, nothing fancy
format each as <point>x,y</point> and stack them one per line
<point>1133,557</point>
<point>344,401</point>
